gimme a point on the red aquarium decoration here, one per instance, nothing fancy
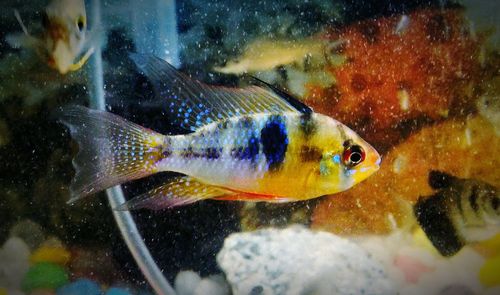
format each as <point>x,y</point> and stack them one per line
<point>400,73</point>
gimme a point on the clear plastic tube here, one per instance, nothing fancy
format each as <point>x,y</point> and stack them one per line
<point>124,219</point>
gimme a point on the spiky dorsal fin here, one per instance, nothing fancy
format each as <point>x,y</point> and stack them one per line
<point>192,104</point>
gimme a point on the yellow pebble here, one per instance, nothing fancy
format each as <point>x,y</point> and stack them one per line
<point>3,291</point>
<point>489,272</point>
<point>56,255</point>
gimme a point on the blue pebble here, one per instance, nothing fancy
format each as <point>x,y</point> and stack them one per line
<point>117,291</point>
<point>80,287</point>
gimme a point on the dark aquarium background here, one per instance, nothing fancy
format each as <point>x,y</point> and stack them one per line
<point>419,80</point>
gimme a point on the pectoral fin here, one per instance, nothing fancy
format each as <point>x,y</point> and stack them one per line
<point>179,191</point>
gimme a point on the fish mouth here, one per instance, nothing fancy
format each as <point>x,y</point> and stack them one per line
<point>61,58</point>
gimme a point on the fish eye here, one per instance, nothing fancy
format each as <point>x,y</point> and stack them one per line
<point>80,23</point>
<point>353,155</point>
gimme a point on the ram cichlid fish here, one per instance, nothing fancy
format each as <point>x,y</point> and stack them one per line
<point>256,143</point>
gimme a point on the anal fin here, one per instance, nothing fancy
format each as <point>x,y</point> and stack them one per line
<point>179,191</point>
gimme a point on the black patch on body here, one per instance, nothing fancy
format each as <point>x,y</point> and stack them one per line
<point>166,152</point>
<point>495,202</point>
<point>307,125</point>
<point>274,140</point>
<point>189,153</point>
<point>210,153</point>
<point>436,222</point>
<point>310,154</point>
<point>474,195</point>
<point>248,152</point>
<point>455,197</point>
<point>166,149</point>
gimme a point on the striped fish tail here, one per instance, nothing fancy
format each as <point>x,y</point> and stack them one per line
<point>112,150</point>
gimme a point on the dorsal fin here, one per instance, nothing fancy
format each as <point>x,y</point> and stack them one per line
<point>292,100</point>
<point>192,104</point>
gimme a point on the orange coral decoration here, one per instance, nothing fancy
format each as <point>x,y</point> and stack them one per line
<point>392,79</point>
<point>463,148</point>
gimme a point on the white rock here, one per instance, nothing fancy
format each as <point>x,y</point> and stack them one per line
<point>444,275</point>
<point>186,282</point>
<point>14,262</point>
<point>299,261</point>
<point>458,272</point>
<point>221,281</point>
<point>190,283</point>
<point>210,287</point>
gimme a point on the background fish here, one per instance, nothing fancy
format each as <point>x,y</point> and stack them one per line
<point>64,38</point>
<point>461,212</point>
<point>251,144</point>
<point>264,54</point>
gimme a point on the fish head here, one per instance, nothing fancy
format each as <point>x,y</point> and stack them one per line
<point>347,159</point>
<point>65,25</point>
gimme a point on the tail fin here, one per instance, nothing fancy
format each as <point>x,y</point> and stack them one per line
<point>112,150</point>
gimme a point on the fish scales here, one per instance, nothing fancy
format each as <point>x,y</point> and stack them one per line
<point>246,147</point>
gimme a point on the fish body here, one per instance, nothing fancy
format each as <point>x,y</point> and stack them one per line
<point>261,153</point>
<point>462,211</point>
<point>64,44</point>
<point>265,54</point>
<point>252,144</point>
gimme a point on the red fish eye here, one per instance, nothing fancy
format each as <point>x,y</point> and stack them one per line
<point>353,155</point>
